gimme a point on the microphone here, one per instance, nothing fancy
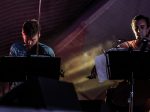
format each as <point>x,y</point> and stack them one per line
<point>144,43</point>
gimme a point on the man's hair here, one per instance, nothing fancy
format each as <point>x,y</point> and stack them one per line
<point>31,27</point>
<point>139,17</point>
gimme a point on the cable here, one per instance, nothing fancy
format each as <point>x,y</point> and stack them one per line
<point>39,16</point>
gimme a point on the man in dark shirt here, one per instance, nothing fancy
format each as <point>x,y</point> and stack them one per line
<point>30,46</point>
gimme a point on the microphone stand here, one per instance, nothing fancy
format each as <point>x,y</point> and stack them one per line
<point>37,49</point>
<point>131,83</point>
<point>144,43</point>
<point>131,97</point>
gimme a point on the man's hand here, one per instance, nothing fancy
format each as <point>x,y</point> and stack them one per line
<point>112,83</point>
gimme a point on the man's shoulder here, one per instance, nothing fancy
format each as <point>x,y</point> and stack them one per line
<point>17,44</point>
<point>131,41</point>
<point>44,46</point>
<point>48,50</point>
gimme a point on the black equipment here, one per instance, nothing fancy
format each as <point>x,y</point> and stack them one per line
<point>43,93</point>
<point>22,68</point>
<point>121,64</point>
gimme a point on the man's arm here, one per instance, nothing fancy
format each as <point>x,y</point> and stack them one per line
<point>12,51</point>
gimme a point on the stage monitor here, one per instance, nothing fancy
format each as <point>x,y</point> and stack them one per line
<point>22,68</point>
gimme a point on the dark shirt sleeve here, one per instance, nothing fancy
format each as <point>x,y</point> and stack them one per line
<point>50,52</point>
<point>12,51</point>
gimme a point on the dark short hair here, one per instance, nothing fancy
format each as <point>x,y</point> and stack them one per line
<point>31,27</point>
<point>139,17</point>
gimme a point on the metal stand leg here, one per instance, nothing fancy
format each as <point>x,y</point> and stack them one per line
<point>130,100</point>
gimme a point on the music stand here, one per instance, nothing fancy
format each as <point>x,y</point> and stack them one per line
<point>21,68</point>
<point>128,65</point>
<point>121,64</point>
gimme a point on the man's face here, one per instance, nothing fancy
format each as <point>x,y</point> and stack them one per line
<point>140,29</point>
<point>30,41</point>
